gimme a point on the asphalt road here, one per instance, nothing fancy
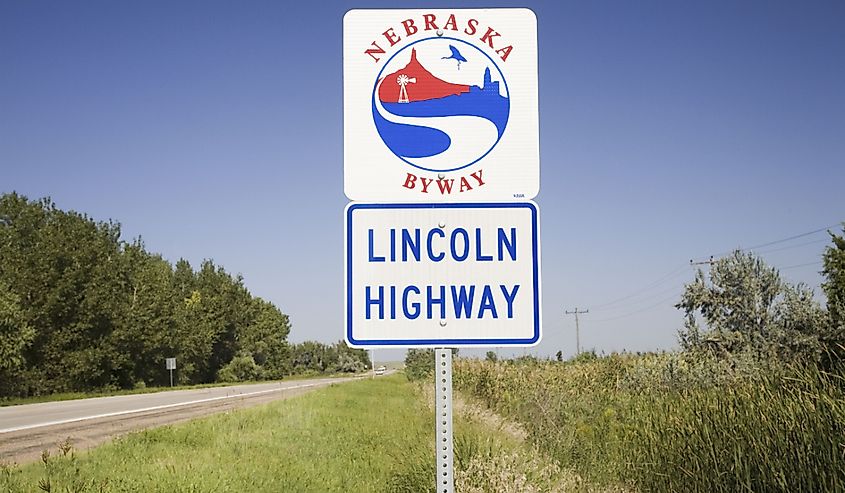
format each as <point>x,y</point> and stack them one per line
<point>27,430</point>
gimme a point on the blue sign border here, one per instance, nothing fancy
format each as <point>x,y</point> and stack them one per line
<point>535,247</point>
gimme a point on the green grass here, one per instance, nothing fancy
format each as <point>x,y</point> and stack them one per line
<point>667,423</point>
<point>373,435</point>
<point>343,438</point>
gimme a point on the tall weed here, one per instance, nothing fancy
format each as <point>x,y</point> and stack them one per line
<point>675,422</point>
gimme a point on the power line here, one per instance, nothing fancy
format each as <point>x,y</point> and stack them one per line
<point>792,237</point>
<point>822,240</point>
<point>650,307</point>
<point>639,301</point>
<point>649,286</point>
<point>708,261</point>
<point>775,242</point>
<point>677,295</point>
<point>817,262</point>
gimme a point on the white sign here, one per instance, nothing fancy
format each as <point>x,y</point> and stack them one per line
<point>442,275</point>
<point>170,364</point>
<point>440,105</point>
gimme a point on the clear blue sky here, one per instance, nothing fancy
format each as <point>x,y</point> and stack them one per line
<point>669,131</point>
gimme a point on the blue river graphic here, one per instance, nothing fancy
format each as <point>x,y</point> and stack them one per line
<point>468,124</point>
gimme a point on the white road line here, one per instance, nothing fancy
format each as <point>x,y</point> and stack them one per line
<point>154,408</point>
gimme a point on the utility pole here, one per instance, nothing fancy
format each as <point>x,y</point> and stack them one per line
<point>576,312</point>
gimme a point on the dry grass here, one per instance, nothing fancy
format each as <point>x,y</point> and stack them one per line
<point>494,455</point>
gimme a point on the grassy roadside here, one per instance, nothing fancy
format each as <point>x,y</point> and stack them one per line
<point>366,436</point>
<point>668,422</point>
<point>69,396</point>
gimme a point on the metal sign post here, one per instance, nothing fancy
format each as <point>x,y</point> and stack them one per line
<point>443,417</point>
<point>441,154</point>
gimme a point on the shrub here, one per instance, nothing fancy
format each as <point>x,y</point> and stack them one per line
<point>242,368</point>
<point>419,364</point>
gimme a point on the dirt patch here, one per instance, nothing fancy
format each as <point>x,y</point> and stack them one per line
<point>474,410</point>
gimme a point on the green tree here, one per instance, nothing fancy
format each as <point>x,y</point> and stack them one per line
<point>834,289</point>
<point>308,356</point>
<point>348,363</point>
<point>747,307</point>
<point>419,363</point>
<point>265,338</point>
<point>736,303</point>
<point>81,309</point>
<point>208,322</point>
<point>148,331</point>
<point>15,336</point>
<point>65,269</point>
<point>834,286</point>
<point>350,360</point>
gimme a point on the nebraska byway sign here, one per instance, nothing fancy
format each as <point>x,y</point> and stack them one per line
<point>440,105</point>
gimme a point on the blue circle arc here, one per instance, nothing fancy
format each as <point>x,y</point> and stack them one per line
<point>504,81</point>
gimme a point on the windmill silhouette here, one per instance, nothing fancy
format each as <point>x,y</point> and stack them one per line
<point>403,80</point>
<point>455,55</point>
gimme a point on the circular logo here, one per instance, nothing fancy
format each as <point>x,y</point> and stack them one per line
<point>440,104</point>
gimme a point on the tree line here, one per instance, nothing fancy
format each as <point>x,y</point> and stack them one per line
<point>81,309</point>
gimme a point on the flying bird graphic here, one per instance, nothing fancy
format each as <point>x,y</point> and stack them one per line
<point>455,55</point>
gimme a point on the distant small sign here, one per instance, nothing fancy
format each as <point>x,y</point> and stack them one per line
<point>171,363</point>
